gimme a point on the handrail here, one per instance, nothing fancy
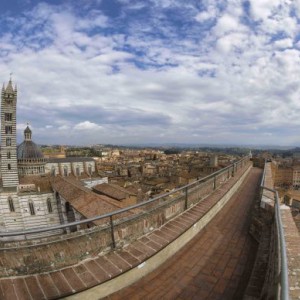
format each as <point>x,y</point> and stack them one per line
<point>282,254</point>
<point>122,210</point>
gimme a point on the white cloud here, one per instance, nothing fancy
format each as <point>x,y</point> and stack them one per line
<point>227,23</point>
<point>262,9</point>
<point>87,125</point>
<point>64,128</point>
<point>204,16</point>
<point>284,43</point>
<point>234,40</point>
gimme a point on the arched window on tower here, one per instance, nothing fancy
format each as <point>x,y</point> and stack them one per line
<point>8,141</point>
<point>31,207</point>
<point>9,166</point>
<point>8,117</point>
<point>8,155</point>
<point>8,129</point>
<point>49,206</point>
<point>11,204</point>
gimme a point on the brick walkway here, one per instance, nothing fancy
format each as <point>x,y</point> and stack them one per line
<point>223,247</point>
<point>214,265</point>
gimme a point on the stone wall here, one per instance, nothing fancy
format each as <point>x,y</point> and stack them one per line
<point>267,255</point>
<point>292,239</point>
<point>21,218</point>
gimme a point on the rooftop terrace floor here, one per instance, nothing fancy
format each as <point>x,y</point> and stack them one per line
<point>216,264</point>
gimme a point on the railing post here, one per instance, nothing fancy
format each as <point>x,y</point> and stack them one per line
<point>261,192</point>
<point>112,231</point>
<point>215,182</point>
<point>186,199</point>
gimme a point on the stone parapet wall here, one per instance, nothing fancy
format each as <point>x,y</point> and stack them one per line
<point>56,252</point>
<point>292,238</point>
<point>267,199</point>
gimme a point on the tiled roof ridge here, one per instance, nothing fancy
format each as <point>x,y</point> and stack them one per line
<point>121,189</point>
<point>79,186</point>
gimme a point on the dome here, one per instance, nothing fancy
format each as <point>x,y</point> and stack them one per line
<point>30,158</point>
<point>29,150</point>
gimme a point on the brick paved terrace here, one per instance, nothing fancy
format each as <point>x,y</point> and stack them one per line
<point>215,264</point>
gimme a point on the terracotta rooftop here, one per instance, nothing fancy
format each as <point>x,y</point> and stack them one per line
<point>112,190</point>
<point>156,181</point>
<point>69,159</point>
<point>188,175</point>
<point>41,182</point>
<point>134,189</point>
<point>84,200</point>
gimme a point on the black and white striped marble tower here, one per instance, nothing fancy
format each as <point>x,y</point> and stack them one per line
<point>9,168</point>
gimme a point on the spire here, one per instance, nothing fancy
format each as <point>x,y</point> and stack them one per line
<point>27,133</point>
<point>9,87</point>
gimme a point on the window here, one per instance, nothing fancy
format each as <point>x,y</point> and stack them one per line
<point>31,208</point>
<point>49,205</point>
<point>90,169</point>
<point>11,204</point>
<point>8,141</point>
<point>8,129</point>
<point>8,154</point>
<point>9,167</point>
<point>65,171</point>
<point>77,171</point>
<point>9,98</point>
<point>68,207</point>
<point>8,116</point>
<point>53,171</point>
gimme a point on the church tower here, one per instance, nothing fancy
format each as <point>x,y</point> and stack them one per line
<point>9,168</point>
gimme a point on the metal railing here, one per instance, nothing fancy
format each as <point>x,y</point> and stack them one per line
<point>184,192</point>
<point>282,267</point>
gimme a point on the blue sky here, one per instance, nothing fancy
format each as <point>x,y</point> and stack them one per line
<point>154,71</point>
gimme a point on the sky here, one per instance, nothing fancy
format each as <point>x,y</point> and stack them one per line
<point>154,71</point>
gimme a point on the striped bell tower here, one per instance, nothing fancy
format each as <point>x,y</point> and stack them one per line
<point>9,167</point>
